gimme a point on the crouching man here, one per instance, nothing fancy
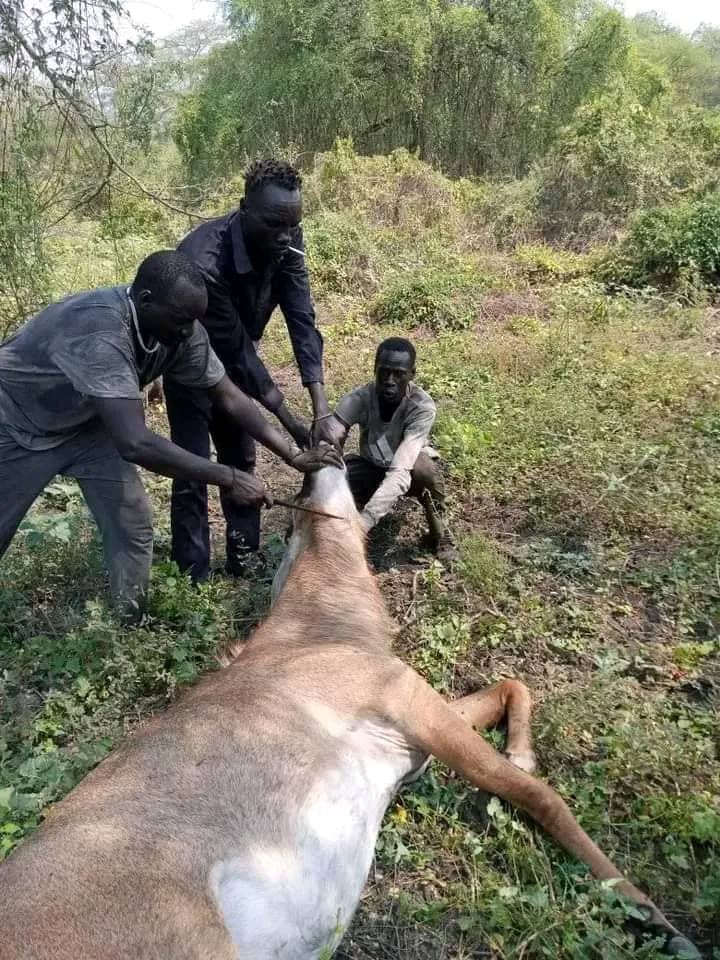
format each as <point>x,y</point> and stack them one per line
<point>395,418</point>
<point>71,382</point>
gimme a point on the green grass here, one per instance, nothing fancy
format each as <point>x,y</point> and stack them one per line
<point>582,436</point>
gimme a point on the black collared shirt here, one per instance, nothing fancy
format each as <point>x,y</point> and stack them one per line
<point>241,301</point>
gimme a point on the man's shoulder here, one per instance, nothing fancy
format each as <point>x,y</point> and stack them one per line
<point>204,243</point>
<point>198,339</point>
<point>353,406</point>
<point>98,296</point>
<point>207,228</point>
<point>194,362</point>
<point>92,310</point>
<point>420,400</point>
<point>362,393</point>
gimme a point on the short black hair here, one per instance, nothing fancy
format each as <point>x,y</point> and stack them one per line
<point>280,172</point>
<point>398,345</point>
<point>160,271</point>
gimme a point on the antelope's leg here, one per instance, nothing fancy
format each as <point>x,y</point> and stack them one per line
<point>486,708</point>
<point>434,727</point>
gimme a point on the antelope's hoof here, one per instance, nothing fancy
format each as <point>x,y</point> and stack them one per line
<point>676,945</point>
<point>679,946</point>
<point>523,761</point>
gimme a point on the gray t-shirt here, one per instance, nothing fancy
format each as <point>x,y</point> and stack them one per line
<point>82,347</point>
<point>393,445</point>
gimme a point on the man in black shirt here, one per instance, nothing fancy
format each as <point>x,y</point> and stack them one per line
<point>252,261</point>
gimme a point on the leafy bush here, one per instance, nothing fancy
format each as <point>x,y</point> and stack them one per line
<point>128,213</point>
<point>676,246</point>
<point>441,300</point>
<point>542,262</point>
<point>340,253</point>
<point>632,147</point>
<point>398,189</point>
<point>415,301</point>
<point>506,212</point>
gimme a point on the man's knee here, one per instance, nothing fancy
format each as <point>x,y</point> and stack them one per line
<point>141,522</point>
<point>134,519</point>
<point>363,478</point>
<point>427,475</point>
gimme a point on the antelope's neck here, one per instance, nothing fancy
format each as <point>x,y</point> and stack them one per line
<point>330,596</point>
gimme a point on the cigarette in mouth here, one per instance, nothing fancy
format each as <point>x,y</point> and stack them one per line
<point>295,250</point>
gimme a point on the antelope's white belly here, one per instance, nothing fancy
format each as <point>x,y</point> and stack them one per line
<point>295,900</point>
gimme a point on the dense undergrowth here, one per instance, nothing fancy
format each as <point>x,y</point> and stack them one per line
<point>580,421</point>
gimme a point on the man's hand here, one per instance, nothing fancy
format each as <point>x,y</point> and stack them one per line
<point>329,429</point>
<point>248,490</point>
<point>315,459</point>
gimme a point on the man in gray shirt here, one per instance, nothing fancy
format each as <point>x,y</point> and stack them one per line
<point>395,417</point>
<point>71,382</point>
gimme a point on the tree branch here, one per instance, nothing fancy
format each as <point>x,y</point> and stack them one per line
<point>88,198</point>
<point>40,63</point>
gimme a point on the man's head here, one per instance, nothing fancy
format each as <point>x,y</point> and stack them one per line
<point>169,294</point>
<point>394,369</point>
<point>272,208</point>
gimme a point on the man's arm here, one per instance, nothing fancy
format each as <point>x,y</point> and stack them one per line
<point>237,352</point>
<point>243,411</point>
<point>124,421</point>
<point>326,428</point>
<point>235,349</point>
<point>293,292</point>
<point>254,379</point>
<point>240,408</point>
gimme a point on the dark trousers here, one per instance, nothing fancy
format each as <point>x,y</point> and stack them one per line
<point>426,484</point>
<point>365,477</point>
<point>112,489</point>
<point>193,420</point>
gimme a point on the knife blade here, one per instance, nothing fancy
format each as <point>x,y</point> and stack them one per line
<point>296,506</point>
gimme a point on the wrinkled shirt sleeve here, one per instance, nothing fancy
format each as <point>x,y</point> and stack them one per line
<point>352,408</point>
<point>196,364</point>
<point>293,294</point>
<point>398,477</point>
<point>253,378</point>
<point>100,365</point>
<point>237,352</point>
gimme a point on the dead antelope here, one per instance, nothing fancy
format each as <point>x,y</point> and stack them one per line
<point>241,823</point>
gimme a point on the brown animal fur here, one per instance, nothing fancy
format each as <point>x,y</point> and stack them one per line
<point>122,868</point>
